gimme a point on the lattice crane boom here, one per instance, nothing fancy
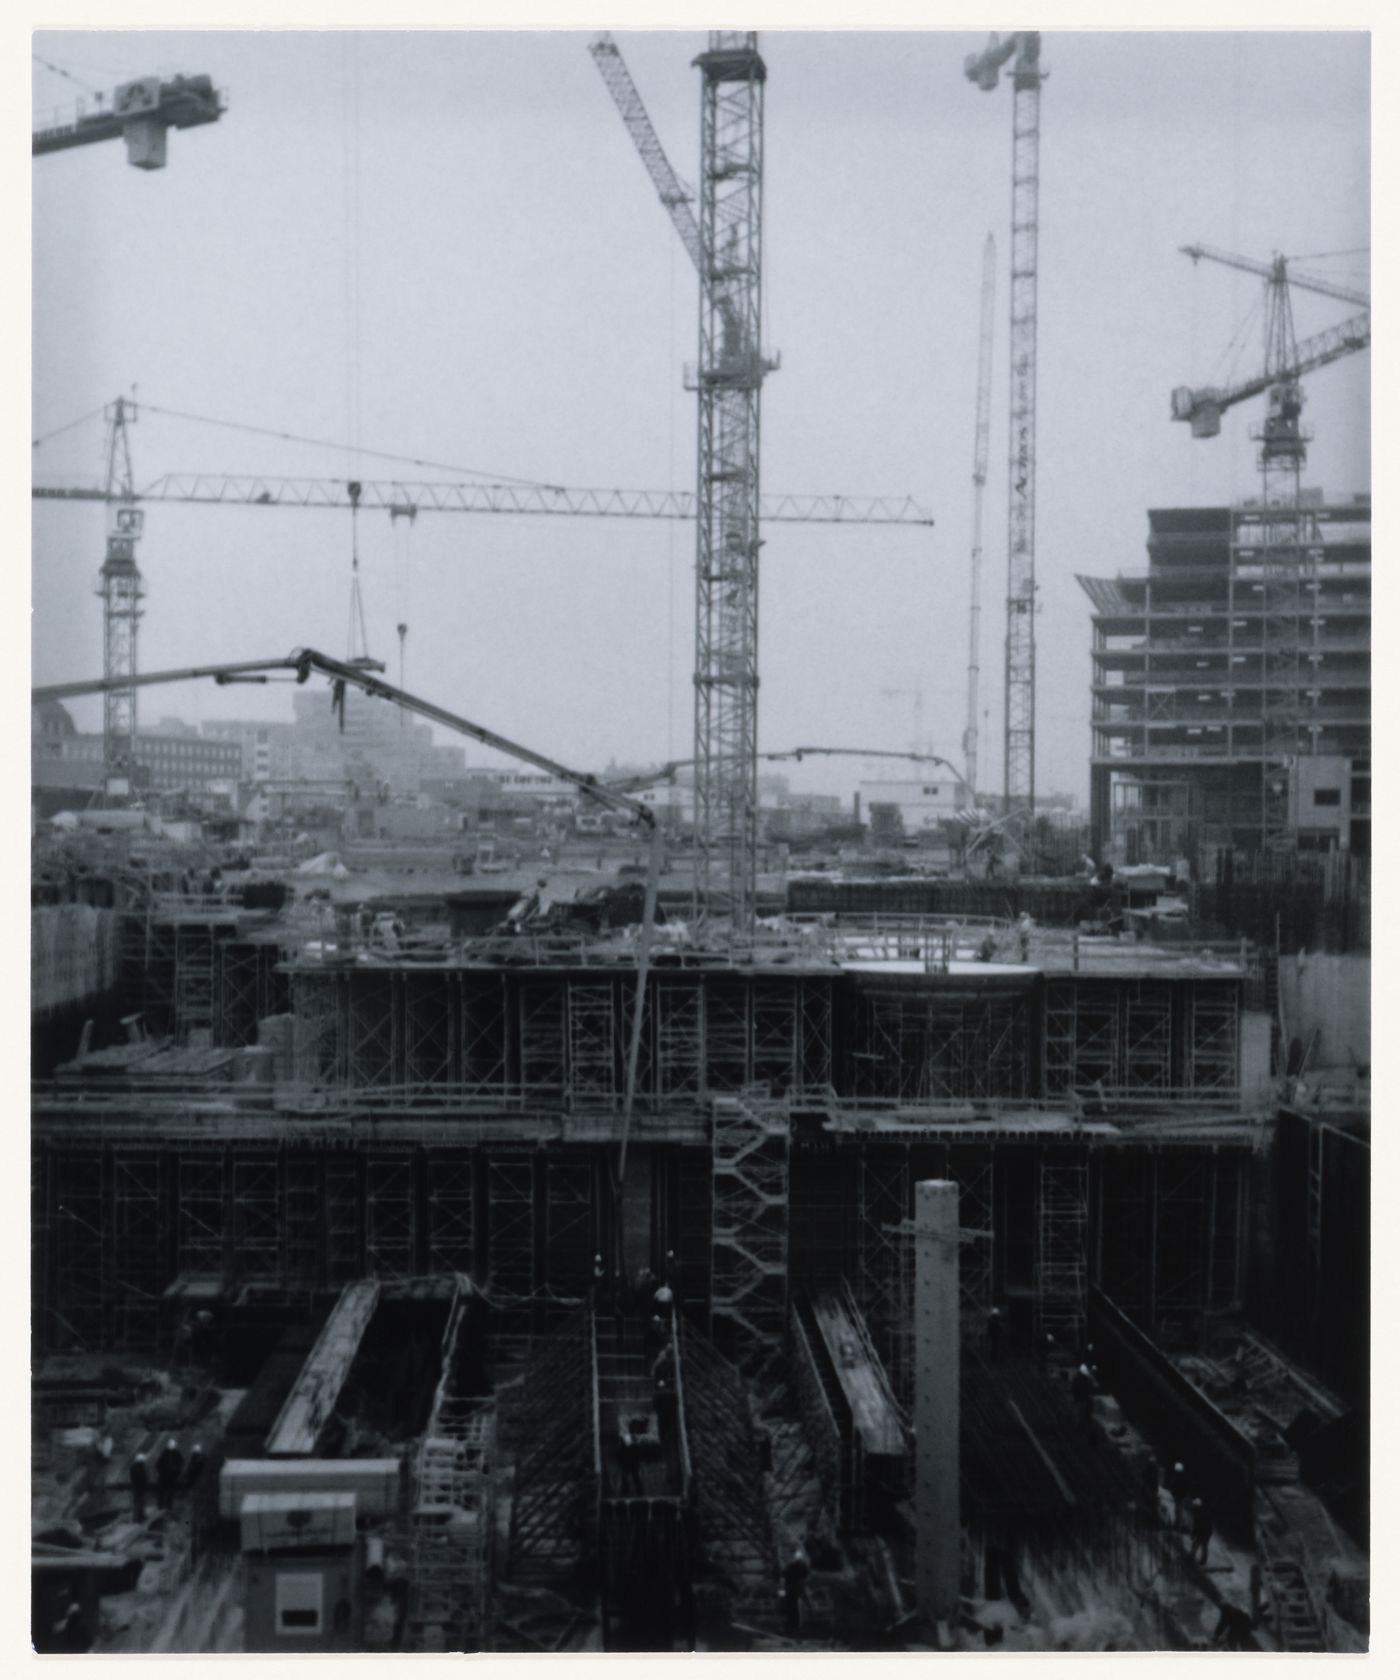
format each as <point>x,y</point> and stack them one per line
<point>981,433</point>
<point>405,499</point>
<point>1022,52</point>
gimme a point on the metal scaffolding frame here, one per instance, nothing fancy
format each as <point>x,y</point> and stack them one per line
<point>258,1224</point>
<point>138,1261</point>
<point>303,1220</point>
<point>1147,1035</point>
<point>81,1285</point>
<point>484,1034</point>
<point>592,1061</point>
<point>542,1012</point>
<point>885,1262</point>
<point>1062,1229</point>
<point>200,1213</point>
<point>452,1528</point>
<point>1083,1040</point>
<point>391,1223</point>
<point>341,1214</point>
<point>749,1223</point>
<point>1212,1037</point>
<point>431,1012</point>
<point>680,1036</point>
<point>931,1045</point>
<point>510,1183</point>
<point>451,1211</point>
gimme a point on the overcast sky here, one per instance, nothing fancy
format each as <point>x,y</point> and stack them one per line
<point>445,247</point>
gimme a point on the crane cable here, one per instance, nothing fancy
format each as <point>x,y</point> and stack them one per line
<point>350,158</point>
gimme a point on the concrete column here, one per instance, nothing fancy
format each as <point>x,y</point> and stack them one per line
<point>936,1374</point>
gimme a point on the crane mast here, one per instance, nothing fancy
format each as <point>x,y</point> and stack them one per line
<point>729,382</point>
<point>121,592</point>
<point>979,481</point>
<point>1023,50</point>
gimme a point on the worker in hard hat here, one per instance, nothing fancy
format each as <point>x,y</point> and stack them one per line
<point>140,1478</point>
<point>794,1585</point>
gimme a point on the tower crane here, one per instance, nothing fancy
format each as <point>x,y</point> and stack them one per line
<point>979,481</point>
<point>122,588</point>
<point>142,113</point>
<point>1022,52</point>
<point>726,244</point>
<point>1280,535</point>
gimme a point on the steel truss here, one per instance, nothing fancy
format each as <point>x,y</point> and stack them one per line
<point>729,381</point>
<point>1062,1230</point>
<point>749,1224</point>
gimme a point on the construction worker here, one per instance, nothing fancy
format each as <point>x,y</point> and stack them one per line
<point>1175,1483</point>
<point>195,1468</point>
<point>994,1333</point>
<point>664,1302</point>
<point>140,1479</point>
<point>664,1396</point>
<point>629,1461</point>
<point>1081,1389</point>
<point>658,1335</point>
<point>1202,1527</point>
<point>1045,1349</point>
<point>794,1585</point>
<point>72,1633</point>
<point>599,1285</point>
<point>168,1467</point>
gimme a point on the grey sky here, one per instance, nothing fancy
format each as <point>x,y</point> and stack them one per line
<point>524,308</point>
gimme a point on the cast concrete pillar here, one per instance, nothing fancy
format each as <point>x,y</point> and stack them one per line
<point>936,1505</point>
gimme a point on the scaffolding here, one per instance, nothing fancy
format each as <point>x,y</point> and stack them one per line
<point>1147,1036</point>
<point>451,1211</point>
<point>1061,1275</point>
<point>257,1222</point>
<point>571,1226</point>
<point>510,1184</point>
<point>451,1531</point>
<point>885,1262</point>
<point>390,1215</point>
<point>940,1043</point>
<point>749,1223</point>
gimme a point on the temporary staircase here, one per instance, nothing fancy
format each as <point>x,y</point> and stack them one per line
<point>452,1523</point>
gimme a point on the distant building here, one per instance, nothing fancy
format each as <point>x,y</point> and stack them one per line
<point>1178,759</point>
<point>922,803</point>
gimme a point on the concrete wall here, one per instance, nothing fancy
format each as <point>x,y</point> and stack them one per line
<point>1333,995</point>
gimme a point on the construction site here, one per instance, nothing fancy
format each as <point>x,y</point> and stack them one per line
<point>628,1231</point>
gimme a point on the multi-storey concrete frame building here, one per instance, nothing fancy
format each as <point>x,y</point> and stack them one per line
<point>1178,697</point>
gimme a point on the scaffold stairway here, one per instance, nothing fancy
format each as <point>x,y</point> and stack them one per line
<point>1297,1623</point>
<point>453,1518</point>
<point>749,1220</point>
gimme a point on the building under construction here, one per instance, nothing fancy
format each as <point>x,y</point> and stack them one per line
<point>303,1117</point>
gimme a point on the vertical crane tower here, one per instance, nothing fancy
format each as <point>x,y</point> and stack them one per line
<point>979,483</point>
<point>726,245</point>
<point>729,383</point>
<point>120,590</point>
<point>984,69</point>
